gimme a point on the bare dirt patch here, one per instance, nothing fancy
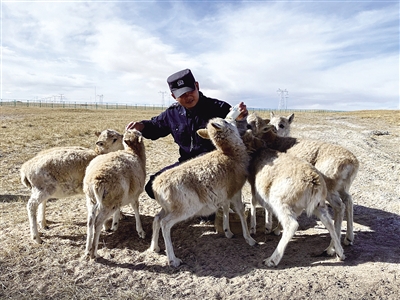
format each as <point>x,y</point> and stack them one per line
<point>214,266</point>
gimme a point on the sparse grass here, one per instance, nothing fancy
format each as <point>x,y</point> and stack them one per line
<point>28,130</point>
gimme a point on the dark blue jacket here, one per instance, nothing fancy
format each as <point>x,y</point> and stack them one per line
<point>183,124</point>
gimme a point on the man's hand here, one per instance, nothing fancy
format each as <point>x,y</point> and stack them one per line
<point>135,125</point>
<point>243,111</point>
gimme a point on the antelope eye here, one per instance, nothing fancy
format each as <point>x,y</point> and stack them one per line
<point>281,126</point>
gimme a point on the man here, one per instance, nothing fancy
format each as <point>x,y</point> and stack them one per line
<point>182,119</point>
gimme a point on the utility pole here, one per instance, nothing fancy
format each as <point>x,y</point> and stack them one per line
<point>283,95</point>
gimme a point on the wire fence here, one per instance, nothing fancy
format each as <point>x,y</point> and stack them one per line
<point>76,105</point>
<point>95,105</point>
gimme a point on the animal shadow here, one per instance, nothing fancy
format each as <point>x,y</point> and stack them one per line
<point>8,198</point>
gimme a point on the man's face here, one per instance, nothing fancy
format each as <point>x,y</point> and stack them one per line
<point>189,99</point>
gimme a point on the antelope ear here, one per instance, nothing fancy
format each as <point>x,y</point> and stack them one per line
<point>290,118</point>
<point>203,133</point>
<point>251,117</point>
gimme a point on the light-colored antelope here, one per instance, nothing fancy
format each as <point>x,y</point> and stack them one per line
<point>58,173</point>
<point>287,186</point>
<point>111,181</point>
<point>200,186</point>
<point>282,127</point>
<point>281,123</point>
<point>338,166</point>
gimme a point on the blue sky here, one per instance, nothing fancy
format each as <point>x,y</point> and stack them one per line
<point>337,55</point>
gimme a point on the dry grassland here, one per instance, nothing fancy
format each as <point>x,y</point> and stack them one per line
<point>214,267</point>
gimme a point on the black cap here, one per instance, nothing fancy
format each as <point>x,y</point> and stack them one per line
<point>181,82</point>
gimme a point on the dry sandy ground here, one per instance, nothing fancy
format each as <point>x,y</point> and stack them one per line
<point>216,267</point>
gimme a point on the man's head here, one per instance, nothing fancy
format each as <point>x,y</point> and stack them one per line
<point>184,88</point>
